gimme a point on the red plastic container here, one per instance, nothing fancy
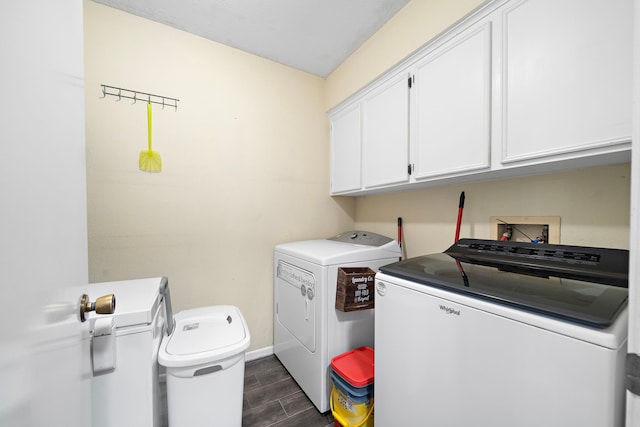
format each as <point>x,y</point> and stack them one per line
<point>352,395</point>
<point>355,366</point>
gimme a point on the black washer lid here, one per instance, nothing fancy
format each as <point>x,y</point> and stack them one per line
<point>598,265</point>
<point>515,284</point>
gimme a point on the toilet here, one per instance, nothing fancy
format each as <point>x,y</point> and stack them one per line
<point>204,357</point>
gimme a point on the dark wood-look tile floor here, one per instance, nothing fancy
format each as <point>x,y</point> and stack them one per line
<point>273,399</point>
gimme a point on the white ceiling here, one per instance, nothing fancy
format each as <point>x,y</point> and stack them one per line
<point>311,35</point>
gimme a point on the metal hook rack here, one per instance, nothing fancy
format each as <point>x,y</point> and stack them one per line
<point>120,93</point>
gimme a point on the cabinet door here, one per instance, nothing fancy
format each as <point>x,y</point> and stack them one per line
<point>385,139</point>
<point>345,150</point>
<point>451,104</point>
<point>566,76</point>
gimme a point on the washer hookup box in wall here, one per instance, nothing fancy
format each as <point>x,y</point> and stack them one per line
<point>354,289</point>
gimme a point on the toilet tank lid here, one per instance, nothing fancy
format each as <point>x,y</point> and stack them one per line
<point>204,335</point>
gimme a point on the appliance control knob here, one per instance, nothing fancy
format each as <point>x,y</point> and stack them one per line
<point>381,288</point>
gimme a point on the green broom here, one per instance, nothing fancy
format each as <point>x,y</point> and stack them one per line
<point>150,161</point>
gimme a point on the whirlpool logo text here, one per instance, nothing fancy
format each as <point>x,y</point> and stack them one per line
<point>449,310</point>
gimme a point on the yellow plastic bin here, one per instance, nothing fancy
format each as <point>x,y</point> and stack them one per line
<point>351,398</point>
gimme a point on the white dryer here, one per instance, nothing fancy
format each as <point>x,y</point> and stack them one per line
<point>308,330</point>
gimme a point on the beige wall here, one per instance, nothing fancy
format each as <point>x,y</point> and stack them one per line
<point>415,24</point>
<point>245,165</point>
<point>593,205</point>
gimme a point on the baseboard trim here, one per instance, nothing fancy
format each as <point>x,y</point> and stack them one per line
<point>259,353</point>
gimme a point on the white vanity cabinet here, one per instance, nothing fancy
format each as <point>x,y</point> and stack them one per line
<point>346,150</point>
<point>566,77</point>
<point>451,106</point>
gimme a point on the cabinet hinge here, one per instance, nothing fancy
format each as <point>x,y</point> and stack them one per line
<point>410,81</point>
<point>409,169</point>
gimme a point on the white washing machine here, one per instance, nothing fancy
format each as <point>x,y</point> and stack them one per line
<point>308,330</point>
<point>503,334</point>
<point>125,386</point>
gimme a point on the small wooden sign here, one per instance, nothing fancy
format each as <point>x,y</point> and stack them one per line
<point>354,288</point>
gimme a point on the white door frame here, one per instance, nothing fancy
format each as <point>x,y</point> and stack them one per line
<point>633,401</point>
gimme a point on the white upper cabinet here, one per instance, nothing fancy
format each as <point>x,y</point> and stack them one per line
<point>451,106</point>
<point>345,150</point>
<point>385,133</point>
<point>517,87</point>
<point>566,76</point>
